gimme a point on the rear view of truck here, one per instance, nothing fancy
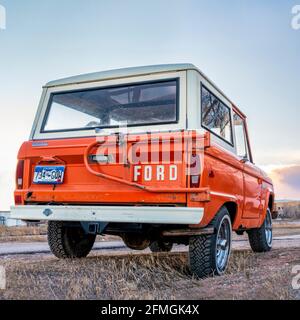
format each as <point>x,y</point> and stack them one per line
<point>122,153</point>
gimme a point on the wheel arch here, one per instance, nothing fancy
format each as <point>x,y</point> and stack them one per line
<point>232,208</point>
<point>271,205</point>
<point>271,202</point>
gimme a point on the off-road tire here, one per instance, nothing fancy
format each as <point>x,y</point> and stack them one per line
<point>203,249</point>
<point>161,246</point>
<point>68,241</point>
<point>257,237</point>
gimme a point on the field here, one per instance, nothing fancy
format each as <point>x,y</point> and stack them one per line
<point>24,234</point>
<point>122,274</point>
<point>149,276</point>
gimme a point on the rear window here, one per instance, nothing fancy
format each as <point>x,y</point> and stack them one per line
<point>131,105</point>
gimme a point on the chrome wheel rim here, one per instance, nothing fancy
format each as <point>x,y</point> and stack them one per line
<point>269,229</point>
<point>223,244</point>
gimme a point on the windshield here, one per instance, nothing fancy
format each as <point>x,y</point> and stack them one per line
<point>131,105</point>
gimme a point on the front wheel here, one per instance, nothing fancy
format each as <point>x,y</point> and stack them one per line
<point>209,254</point>
<point>69,241</point>
<point>261,239</point>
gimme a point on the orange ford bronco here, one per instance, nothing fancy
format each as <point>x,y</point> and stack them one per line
<point>156,155</point>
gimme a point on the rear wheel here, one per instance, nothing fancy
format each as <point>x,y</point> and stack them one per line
<point>209,254</point>
<point>161,246</point>
<point>68,241</point>
<point>261,238</point>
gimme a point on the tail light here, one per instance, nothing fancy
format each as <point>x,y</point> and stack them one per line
<point>18,200</point>
<point>20,174</point>
<point>195,171</point>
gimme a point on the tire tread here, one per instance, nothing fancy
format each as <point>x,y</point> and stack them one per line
<point>201,250</point>
<point>257,239</point>
<point>61,245</point>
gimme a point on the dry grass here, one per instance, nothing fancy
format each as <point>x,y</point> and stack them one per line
<point>129,277</point>
<point>145,276</point>
<point>149,276</point>
<point>290,212</point>
<point>24,234</point>
<point>22,231</point>
<point>277,287</point>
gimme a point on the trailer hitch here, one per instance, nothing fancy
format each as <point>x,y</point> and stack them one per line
<point>94,227</point>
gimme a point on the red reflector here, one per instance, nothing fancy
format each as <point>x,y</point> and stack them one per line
<point>19,174</point>
<point>18,200</point>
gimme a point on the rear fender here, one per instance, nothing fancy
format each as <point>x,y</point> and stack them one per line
<point>217,201</point>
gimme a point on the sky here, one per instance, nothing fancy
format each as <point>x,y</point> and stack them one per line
<point>248,48</point>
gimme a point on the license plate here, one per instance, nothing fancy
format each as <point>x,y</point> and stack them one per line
<point>49,175</point>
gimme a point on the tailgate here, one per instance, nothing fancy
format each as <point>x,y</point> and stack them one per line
<point>109,170</point>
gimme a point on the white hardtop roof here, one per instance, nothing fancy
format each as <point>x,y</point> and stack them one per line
<point>121,73</point>
<point>131,72</point>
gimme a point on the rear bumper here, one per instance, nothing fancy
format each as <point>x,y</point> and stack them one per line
<point>126,214</point>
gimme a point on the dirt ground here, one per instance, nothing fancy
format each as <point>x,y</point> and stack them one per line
<point>149,276</point>
<point>123,275</point>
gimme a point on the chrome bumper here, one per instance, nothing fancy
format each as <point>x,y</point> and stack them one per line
<point>126,214</point>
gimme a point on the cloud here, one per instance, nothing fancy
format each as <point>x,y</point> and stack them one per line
<point>286,180</point>
<point>290,176</point>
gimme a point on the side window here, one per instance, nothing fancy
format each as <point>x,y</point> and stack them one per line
<point>216,116</point>
<point>241,141</point>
